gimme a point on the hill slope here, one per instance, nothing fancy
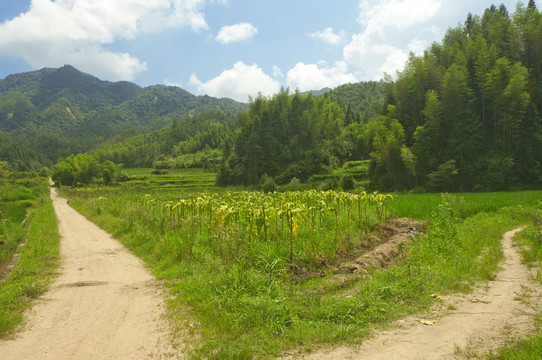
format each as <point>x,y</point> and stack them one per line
<point>57,112</point>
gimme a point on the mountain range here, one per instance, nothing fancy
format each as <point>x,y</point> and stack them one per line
<point>52,113</point>
<point>56,112</point>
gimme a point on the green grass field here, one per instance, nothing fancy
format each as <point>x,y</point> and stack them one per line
<point>240,294</point>
<point>170,179</point>
<point>420,206</point>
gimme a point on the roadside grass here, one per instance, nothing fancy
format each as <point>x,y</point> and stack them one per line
<point>37,261</point>
<point>243,305</point>
<point>15,199</point>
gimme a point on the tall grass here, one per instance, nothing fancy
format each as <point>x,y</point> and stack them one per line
<point>36,264</point>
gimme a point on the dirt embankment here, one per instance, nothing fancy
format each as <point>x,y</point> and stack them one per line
<point>103,305</point>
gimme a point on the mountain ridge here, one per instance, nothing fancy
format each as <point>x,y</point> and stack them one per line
<point>60,111</point>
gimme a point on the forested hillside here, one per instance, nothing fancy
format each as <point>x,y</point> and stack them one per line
<point>463,116</point>
<point>466,115</point>
<point>361,101</point>
<point>166,148</point>
<point>285,137</point>
<point>57,112</point>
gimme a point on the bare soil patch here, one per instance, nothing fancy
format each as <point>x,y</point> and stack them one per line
<point>103,305</point>
<point>376,251</point>
<point>384,249</point>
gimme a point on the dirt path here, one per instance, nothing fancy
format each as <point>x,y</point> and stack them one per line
<point>465,325</point>
<point>103,305</point>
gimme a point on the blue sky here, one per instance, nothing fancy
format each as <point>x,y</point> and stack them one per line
<point>226,48</point>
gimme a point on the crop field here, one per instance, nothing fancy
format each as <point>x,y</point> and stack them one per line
<point>254,273</point>
<point>170,179</point>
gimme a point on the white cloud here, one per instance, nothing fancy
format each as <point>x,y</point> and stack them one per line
<point>328,36</point>
<point>396,14</point>
<point>383,44</point>
<point>307,77</point>
<point>237,32</point>
<point>418,46</point>
<point>172,83</point>
<point>238,83</point>
<point>277,72</point>
<point>54,33</point>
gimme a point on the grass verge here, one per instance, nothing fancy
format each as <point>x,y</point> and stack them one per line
<point>35,266</point>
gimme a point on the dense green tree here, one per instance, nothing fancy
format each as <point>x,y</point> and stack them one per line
<point>285,136</point>
<point>84,169</point>
<point>479,127</point>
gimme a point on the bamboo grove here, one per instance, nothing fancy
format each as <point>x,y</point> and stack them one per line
<point>306,227</point>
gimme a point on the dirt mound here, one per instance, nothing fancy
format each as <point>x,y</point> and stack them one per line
<point>386,247</point>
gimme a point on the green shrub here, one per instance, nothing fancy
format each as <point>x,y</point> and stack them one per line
<point>267,184</point>
<point>347,182</point>
<point>294,184</point>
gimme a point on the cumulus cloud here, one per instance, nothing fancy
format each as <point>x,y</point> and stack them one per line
<point>329,36</point>
<point>307,77</point>
<point>53,33</point>
<point>380,46</point>
<point>238,83</point>
<point>380,16</point>
<point>277,72</point>
<point>237,32</point>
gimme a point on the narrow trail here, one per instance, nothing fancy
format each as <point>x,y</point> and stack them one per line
<point>103,305</point>
<point>462,325</point>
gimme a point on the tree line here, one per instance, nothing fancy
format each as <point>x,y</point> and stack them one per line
<point>85,169</point>
<point>465,115</point>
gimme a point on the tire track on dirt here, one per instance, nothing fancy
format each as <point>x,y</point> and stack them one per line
<point>103,305</point>
<point>476,322</point>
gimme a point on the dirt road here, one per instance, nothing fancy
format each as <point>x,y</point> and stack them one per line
<point>463,325</point>
<point>103,305</point>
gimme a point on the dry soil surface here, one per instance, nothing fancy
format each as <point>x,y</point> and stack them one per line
<point>461,326</point>
<point>103,305</point>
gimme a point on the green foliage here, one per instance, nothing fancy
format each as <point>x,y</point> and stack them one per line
<point>221,256</point>
<point>293,185</point>
<point>285,136</point>
<point>347,182</point>
<point>471,102</point>
<point>38,259</point>
<point>84,169</point>
<point>5,171</point>
<point>444,178</point>
<point>267,184</point>
<point>359,101</point>
<point>17,155</point>
<point>44,172</point>
<point>192,142</point>
<point>53,113</point>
